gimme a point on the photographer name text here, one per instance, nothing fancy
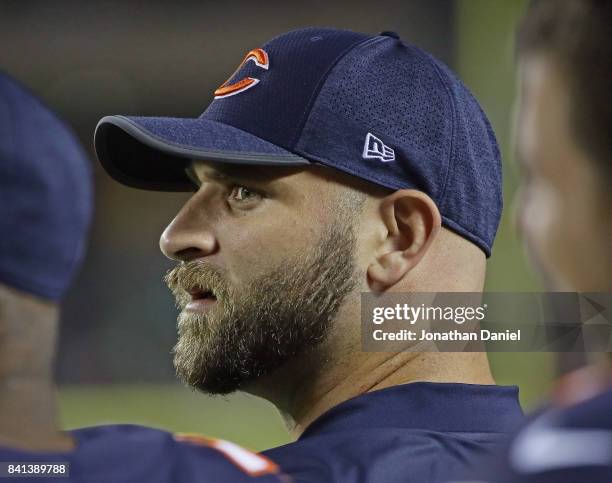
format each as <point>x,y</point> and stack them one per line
<point>452,335</point>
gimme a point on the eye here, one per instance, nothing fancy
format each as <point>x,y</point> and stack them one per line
<point>243,194</point>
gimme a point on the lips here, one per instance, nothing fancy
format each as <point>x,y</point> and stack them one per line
<point>200,299</point>
<point>198,293</point>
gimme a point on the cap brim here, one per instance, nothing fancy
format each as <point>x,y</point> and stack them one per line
<point>153,152</point>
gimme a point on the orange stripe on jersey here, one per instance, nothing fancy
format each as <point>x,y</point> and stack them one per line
<point>251,463</point>
<point>260,58</point>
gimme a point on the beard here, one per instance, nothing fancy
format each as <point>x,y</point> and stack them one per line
<point>254,329</point>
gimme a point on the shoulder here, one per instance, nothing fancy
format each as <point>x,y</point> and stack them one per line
<point>137,453</point>
<point>193,446</point>
<point>577,438</point>
<point>559,445</point>
<point>382,454</point>
<point>595,412</point>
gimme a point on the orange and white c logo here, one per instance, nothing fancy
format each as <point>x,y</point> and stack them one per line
<point>260,57</point>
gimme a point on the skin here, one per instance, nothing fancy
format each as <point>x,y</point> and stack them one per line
<point>401,246</point>
<point>563,205</point>
<point>28,407</point>
<point>563,209</point>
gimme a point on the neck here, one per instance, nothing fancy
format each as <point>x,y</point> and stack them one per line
<point>302,396</point>
<point>28,407</point>
<point>28,412</point>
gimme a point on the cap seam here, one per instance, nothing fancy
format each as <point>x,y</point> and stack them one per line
<point>453,131</point>
<point>315,94</point>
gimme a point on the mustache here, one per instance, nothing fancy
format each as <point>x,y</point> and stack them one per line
<point>187,277</point>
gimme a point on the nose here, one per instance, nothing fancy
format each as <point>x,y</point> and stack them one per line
<point>188,236</point>
<point>520,211</point>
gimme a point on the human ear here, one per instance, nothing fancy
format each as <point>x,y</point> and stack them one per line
<point>412,221</point>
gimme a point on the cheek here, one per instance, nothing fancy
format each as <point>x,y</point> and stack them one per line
<point>253,248</point>
<point>540,214</point>
<point>558,226</point>
<point>544,218</point>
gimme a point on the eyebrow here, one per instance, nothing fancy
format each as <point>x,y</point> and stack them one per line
<point>237,172</point>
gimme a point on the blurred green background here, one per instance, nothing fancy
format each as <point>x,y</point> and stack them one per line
<point>89,59</point>
<point>485,62</point>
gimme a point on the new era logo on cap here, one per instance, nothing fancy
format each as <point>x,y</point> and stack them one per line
<point>374,148</point>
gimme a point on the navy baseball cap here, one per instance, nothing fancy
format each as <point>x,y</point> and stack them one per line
<point>45,196</point>
<point>371,106</point>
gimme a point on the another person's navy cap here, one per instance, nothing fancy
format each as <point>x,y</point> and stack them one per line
<point>45,196</point>
<point>372,106</point>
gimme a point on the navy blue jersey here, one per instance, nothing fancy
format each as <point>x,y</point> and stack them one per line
<point>420,432</point>
<point>134,454</point>
<point>557,446</point>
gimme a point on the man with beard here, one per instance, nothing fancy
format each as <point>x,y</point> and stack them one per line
<point>330,163</point>
<point>45,212</point>
<point>565,216</point>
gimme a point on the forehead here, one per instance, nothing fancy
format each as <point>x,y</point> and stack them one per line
<point>543,120</point>
<point>315,177</point>
<point>219,171</point>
